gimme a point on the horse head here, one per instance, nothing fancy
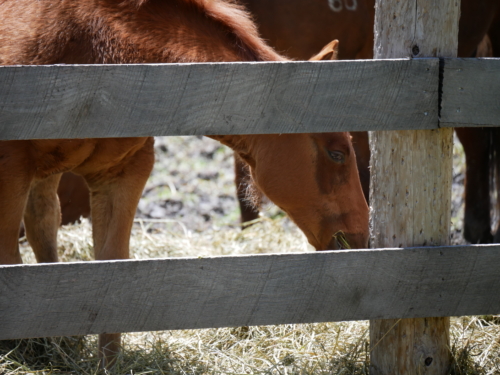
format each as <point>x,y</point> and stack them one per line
<point>312,177</point>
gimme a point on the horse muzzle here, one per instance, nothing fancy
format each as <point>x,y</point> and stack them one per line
<point>346,241</point>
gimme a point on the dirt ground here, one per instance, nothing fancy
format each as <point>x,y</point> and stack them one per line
<point>192,183</point>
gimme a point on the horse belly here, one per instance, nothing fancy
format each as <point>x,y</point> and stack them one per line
<point>109,153</point>
<point>82,156</point>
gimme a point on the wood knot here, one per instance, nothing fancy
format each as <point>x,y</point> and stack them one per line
<point>415,50</point>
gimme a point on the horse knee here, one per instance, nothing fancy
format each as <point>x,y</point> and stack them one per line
<point>477,220</point>
<point>478,233</point>
<point>9,237</point>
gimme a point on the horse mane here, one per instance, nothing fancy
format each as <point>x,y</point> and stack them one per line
<point>237,19</point>
<point>237,22</point>
<point>129,31</point>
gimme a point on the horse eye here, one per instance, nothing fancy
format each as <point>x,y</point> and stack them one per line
<point>337,156</point>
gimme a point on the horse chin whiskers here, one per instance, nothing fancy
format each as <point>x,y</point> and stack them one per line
<point>253,195</point>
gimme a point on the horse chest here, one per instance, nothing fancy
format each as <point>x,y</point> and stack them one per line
<point>82,156</point>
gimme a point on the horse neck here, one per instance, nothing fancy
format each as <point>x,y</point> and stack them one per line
<point>247,146</point>
<point>165,31</point>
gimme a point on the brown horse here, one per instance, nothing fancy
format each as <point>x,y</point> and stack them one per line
<point>299,33</point>
<point>299,28</point>
<point>312,177</point>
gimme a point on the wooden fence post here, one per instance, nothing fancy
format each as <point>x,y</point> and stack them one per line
<point>411,183</point>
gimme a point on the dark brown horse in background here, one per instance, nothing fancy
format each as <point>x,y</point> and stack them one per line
<point>481,145</point>
<point>312,177</point>
<point>298,27</point>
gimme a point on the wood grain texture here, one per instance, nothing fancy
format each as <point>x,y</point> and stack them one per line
<point>144,295</point>
<point>78,101</point>
<point>411,184</point>
<point>471,92</point>
<point>425,28</point>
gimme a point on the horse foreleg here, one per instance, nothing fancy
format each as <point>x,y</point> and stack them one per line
<point>42,218</point>
<point>16,175</point>
<point>115,194</point>
<point>477,220</point>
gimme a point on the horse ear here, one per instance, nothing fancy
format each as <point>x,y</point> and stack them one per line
<point>239,145</point>
<point>329,52</point>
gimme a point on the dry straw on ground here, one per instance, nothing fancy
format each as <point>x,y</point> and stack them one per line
<point>325,348</point>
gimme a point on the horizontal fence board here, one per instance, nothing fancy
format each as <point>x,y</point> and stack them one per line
<point>180,293</point>
<point>94,101</point>
<point>471,93</point>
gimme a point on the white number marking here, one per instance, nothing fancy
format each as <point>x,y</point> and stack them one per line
<point>335,5</point>
<point>338,5</point>
<point>353,6</point>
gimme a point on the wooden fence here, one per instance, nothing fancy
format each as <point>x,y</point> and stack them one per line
<point>179,293</point>
<point>83,101</point>
<point>76,101</point>
<point>44,102</point>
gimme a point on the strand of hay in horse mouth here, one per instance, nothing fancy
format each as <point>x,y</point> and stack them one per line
<point>341,240</point>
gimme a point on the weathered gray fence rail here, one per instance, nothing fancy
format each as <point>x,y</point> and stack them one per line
<point>471,93</point>
<point>75,101</point>
<point>180,293</point>
<point>139,100</point>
